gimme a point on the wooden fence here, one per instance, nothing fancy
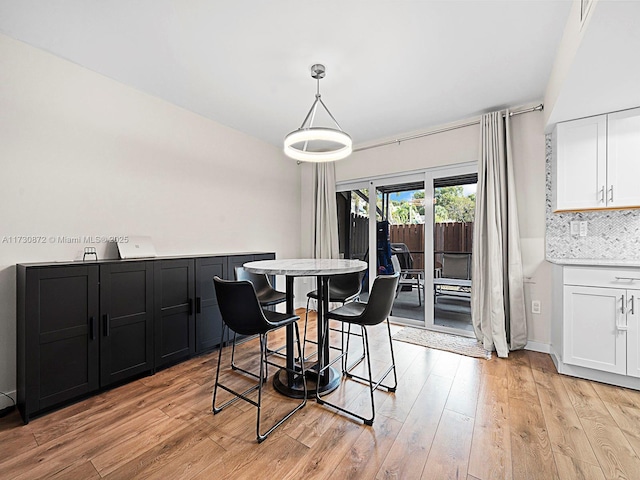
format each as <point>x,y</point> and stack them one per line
<point>453,237</point>
<point>447,237</point>
<point>413,237</point>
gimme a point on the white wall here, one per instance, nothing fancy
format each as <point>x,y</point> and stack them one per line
<point>528,142</point>
<point>462,145</point>
<point>81,154</point>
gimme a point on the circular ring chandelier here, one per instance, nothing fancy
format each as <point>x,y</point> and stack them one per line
<point>318,144</point>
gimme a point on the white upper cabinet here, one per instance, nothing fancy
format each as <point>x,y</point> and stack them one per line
<point>597,162</point>
<point>623,158</point>
<point>580,164</point>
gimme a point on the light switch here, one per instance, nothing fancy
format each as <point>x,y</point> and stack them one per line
<point>575,227</point>
<point>583,229</point>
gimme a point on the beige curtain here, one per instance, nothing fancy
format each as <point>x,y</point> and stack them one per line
<point>325,238</point>
<point>497,292</point>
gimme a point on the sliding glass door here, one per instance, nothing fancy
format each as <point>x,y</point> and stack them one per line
<point>395,239</point>
<point>421,225</point>
<point>453,220</point>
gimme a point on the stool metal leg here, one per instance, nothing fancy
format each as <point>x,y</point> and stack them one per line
<point>369,380</point>
<point>264,362</point>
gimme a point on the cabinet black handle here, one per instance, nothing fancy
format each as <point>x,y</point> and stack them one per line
<point>107,325</point>
<point>191,306</point>
<point>92,328</point>
<point>198,305</point>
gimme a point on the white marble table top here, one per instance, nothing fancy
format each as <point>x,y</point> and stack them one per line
<point>303,267</point>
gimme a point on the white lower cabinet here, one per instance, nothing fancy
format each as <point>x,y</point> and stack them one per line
<point>597,328</point>
<point>600,310</point>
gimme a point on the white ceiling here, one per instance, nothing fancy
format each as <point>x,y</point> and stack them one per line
<point>392,66</point>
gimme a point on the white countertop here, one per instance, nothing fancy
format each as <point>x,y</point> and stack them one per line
<point>595,262</point>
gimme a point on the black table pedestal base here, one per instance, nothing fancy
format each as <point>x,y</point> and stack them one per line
<point>297,389</point>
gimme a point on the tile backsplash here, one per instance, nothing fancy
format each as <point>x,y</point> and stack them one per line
<point>611,234</point>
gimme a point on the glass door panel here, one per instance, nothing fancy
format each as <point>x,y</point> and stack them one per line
<point>401,246</point>
<point>453,217</point>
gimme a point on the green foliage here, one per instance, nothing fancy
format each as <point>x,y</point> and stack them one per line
<point>451,205</point>
<point>404,212</point>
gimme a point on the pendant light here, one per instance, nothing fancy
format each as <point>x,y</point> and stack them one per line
<point>317,144</point>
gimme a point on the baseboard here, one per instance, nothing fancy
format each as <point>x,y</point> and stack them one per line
<point>538,347</point>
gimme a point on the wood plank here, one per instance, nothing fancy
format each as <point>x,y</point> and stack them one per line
<point>627,418</point>
<point>495,366</point>
<point>84,471</point>
<point>410,450</point>
<point>615,455</point>
<point>586,401</point>
<point>273,459</point>
<point>410,385</point>
<point>521,383</point>
<point>564,427</point>
<point>151,434</point>
<point>447,364</point>
<point>71,449</point>
<point>530,443</point>
<point>182,455</point>
<point>449,455</point>
<point>490,456</point>
<point>541,362</point>
<point>367,453</point>
<point>14,437</point>
<point>574,469</point>
<point>611,394</point>
<point>463,397</point>
<point>334,444</point>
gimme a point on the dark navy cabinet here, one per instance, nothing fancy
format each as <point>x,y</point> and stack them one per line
<point>58,345</point>
<point>83,326</point>
<point>175,325</point>
<point>208,317</point>
<point>126,320</point>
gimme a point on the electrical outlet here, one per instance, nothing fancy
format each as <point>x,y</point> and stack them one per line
<point>575,227</point>
<point>583,229</point>
<point>535,306</point>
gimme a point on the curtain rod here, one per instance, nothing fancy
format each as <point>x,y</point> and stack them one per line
<point>445,129</point>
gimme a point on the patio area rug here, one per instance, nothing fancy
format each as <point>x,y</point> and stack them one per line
<point>443,341</point>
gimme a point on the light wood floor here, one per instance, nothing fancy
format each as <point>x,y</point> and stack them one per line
<point>452,417</point>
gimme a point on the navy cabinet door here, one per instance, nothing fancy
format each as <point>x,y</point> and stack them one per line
<point>126,324</point>
<point>208,317</point>
<point>174,298</point>
<point>61,335</point>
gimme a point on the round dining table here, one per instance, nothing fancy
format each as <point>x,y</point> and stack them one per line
<point>285,382</point>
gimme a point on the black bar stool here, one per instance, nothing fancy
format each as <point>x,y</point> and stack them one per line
<point>343,289</point>
<point>267,296</point>
<point>374,312</point>
<point>242,313</point>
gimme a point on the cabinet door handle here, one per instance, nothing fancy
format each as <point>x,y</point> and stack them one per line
<point>92,328</point>
<point>198,305</point>
<point>191,306</point>
<point>623,310</point>
<point>107,324</point>
<point>632,311</point>
<point>602,194</point>
<point>611,193</point>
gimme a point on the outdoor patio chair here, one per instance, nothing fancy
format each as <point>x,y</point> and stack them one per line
<point>413,278</point>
